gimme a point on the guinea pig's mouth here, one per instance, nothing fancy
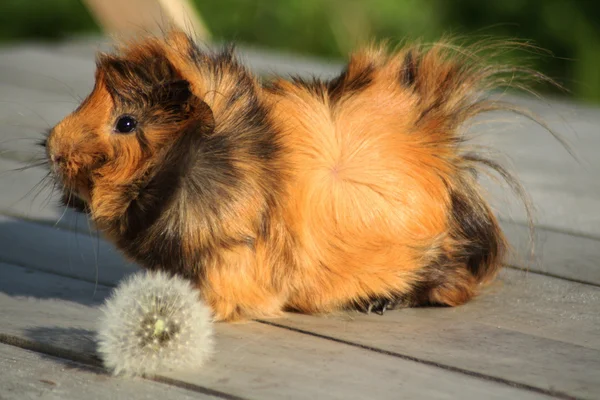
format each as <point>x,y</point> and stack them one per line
<point>73,181</point>
<point>72,200</point>
<point>74,192</point>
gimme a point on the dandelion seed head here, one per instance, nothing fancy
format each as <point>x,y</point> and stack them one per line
<point>154,322</point>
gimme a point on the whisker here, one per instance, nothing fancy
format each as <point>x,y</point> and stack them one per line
<point>44,184</point>
<point>50,193</point>
<point>37,187</point>
<point>65,209</point>
<point>36,164</point>
<point>37,114</point>
<point>96,254</point>
<point>10,140</point>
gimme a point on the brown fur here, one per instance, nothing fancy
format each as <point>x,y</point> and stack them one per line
<point>293,195</point>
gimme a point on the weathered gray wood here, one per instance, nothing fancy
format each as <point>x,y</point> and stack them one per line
<point>531,329</point>
<point>25,116</point>
<point>252,360</point>
<point>556,321</point>
<point>565,192</point>
<point>60,251</point>
<point>34,67</point>
<point>555,253</point>
<point>24,195</point>
<point>557,184</point>
<point>30,375</point>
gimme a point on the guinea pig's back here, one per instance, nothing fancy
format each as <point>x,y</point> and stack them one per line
<point>366,195</point>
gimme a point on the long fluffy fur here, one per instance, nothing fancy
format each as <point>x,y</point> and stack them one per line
<point>292,194</point>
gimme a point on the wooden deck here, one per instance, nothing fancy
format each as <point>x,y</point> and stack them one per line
<point>534,334</point>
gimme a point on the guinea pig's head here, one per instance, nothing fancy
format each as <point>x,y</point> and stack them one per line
<point>139,108</point>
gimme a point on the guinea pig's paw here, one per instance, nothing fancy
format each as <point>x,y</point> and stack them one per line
<point>154,322</point>
<point>379,305</point>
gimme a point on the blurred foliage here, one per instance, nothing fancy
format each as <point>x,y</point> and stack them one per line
<point>43,19</point>
<point>570,29</point>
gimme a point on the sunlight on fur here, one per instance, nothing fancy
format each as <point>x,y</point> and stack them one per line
<point>358,192</point>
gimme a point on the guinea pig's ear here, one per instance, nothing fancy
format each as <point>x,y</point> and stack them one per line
<point>177,97</point>
<point>203,112</point>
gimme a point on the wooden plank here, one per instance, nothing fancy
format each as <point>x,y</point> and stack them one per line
<point>24,195</point>
<point>252,360</point>
<point>37,67</point>
<point>60,251</point>
<point>535,330</point>
<point>564,191</point>
<point>558,254</point>
<point>30,375</point>
<point>25,116</point>
<point>567,194</point>
<point>557,321</point>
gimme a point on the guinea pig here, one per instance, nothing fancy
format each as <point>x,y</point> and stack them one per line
<point>298,195</point>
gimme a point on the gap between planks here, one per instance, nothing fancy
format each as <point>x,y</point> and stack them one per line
<point>532,271</point>
<point>95,362</point>
<point>557,254</point>
<point>318,326</point>
<point>252,360</point>
<point>30,373</point>
<point>514,384</point>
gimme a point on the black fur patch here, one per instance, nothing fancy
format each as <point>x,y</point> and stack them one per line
<point>273,87</point>
<point>313,85</point>
<point>134,82</point>
<point>196,179</point>
<point>408,72</point>
<point>477,246</point>
<point>434,275</point>
<point>152,199</point>
<point>75,203</point>
<point>43,142</point>
<point>156,242</point>
<point>195,54</point>
<point>476,230</point>
<point>346,84</point>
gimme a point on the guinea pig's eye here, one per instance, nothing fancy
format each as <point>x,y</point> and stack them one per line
<point>125,124</point>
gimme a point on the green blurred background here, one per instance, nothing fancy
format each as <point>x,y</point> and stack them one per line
<point>569,29</point>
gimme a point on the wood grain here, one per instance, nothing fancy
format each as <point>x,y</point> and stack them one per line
<point>62,252</point>
<point>30,375</point>
<point>252,360</point>
<point>535,330</point>
<point>532,329</point>
<point>538,332</point>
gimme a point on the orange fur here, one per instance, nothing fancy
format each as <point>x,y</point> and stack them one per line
<point>367,195</point>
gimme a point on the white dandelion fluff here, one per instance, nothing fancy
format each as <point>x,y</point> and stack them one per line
<point>154,322</point>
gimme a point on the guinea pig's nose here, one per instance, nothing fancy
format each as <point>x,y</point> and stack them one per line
<point>57,158</point>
